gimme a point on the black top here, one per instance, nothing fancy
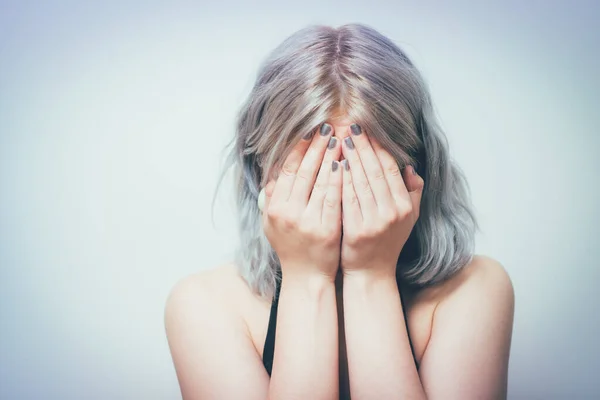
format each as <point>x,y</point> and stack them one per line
<point>269,348</point>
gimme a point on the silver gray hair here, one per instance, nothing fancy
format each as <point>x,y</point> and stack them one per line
<point>307,78</point>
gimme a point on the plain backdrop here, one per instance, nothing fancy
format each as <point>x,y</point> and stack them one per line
<point>113,120</point>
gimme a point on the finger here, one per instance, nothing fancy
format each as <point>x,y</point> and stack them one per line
<point>352,218</point>
<point>321,186</point>
<point>309,167</point>
<point>332,205</point>
<point>287,174</point>
<point>362,189</point>
<point>415,186</point>
<point>263,204</point>
<point>392,173</point>
<point>373,170</point>
<point>267,193</point>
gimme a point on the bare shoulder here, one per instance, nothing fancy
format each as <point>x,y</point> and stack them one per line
<point>208,338</point>
<point>197,299</point>
<point>484,276</point>
<point>471,335</point>
<point>220,285</point>
<point>479,276</point>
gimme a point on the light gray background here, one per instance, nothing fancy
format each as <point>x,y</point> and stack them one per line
<point>112,121</point>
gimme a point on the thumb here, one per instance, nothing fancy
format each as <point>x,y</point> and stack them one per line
<point>264,197</point>
<point>414,185</point>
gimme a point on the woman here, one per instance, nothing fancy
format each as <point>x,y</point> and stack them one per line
<point>355,273</point>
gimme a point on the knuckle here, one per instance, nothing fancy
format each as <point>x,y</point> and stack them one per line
<point>393,170</point>
<point>273,212</point>
<point>329,203</point>
<point>305,229</point>
<point>392,217</point>
<point>322,235</point>
<point>303,175</point>
<point>288,223</point>
<point>288,169</point>
<point>363,236</point>
<point>405,210</point>
<point>371,232</point>
<point>319,186</point>
<point>377,174</point>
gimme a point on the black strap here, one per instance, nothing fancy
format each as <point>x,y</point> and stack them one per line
<point>269,348</point>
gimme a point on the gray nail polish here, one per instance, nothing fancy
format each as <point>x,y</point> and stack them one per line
<point>349,143</point>
<point>356,129</point>
<point>332,143</point>
<point>308,136</point>
<point>325,129</point>
<point>334,165</point>
<point>345,165</point>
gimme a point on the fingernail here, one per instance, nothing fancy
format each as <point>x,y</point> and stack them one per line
<point>349,143</point>
<point>334,165</point>
<point>332,143</point>
<point>356,129</point>
<point>345,165</point>
<point>325,129</point>
<point>309,135</point>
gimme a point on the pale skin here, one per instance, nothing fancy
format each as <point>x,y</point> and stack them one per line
<point>461,329</point>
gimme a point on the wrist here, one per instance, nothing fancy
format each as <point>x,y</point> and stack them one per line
<point>311,282</point>
<point>370,274</point>
<point>369,287</point>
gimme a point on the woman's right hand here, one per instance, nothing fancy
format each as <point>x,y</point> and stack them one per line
<point>301,216</point>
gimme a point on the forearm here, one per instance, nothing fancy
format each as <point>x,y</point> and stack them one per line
<point>380,361</point>
<point>305,364</point>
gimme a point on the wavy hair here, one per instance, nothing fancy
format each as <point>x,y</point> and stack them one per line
<point>302,83</point>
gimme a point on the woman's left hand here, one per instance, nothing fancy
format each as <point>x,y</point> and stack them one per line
<point>380,207</point>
